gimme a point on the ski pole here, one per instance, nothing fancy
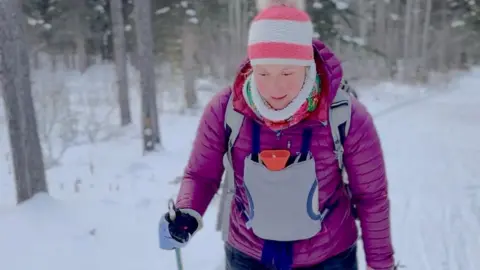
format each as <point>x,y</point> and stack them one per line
<point>172,215</point>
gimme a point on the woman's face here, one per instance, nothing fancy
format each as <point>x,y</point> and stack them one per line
<point>279,84</point>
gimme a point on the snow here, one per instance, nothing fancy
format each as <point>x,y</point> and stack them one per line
<point>184,4</point>
<point>341,5</point>
<point>458,23</point>
<point>317,5</point>
<point>162,10</point>
<point>357,40</point>
<point>107,197</point>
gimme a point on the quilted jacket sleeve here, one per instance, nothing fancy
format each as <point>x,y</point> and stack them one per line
<point>368,182</point>
<point>204,169</point>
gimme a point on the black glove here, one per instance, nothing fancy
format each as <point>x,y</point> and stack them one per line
<point>182,227</point>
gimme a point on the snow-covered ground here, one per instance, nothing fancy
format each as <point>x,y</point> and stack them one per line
<point>106,197</point>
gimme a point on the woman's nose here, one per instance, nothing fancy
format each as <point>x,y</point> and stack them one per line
<point>278,85</point>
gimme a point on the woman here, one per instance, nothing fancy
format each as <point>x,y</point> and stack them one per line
<point>284,92</point>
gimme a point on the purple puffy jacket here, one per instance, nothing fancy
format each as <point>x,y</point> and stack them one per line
<point>363,159</point>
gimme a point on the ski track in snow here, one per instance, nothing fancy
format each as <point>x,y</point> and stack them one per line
<point>431,149</point>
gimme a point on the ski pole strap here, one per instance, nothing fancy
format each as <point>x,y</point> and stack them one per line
<point>172,210</point>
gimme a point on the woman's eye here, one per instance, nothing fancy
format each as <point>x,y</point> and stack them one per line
<point>263,74</point>
<point>287,74</point>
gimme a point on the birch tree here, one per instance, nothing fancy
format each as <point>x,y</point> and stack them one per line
<point>120,55</point>
<point>20,112</point>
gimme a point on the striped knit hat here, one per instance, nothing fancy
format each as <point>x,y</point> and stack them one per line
<point>281,34</point>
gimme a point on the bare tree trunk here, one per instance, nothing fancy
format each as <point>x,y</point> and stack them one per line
<point>120,55</point>
<point>363,22</point>
<point>36,59</point>
<point>233,59</point>
<point>238,27</point>
<point>444,39</point>
<point>407,40</point>
<point>380,35</point>
<point>189,48</point>
<point>73,61</point>
<point>380,25</point>
<point>67,59</point>
<point>415,34</point>
<point>211,47</point>
<point>392,46</point>
<point>15,78</point>
<point>425,39</point>
<point>151,131</point>
<point>53,61</point>
<point>80,34</point>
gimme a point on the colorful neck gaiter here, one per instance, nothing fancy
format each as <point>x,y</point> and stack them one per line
<point>304,109</point>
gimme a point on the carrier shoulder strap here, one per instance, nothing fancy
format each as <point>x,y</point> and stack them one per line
<point>339,120</point>
<point>233,122</point>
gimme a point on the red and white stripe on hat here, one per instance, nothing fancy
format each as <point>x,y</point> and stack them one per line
<point>281,35</point>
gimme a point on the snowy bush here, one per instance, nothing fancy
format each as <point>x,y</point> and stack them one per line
<point>57,123</point>
<point>97,110</point>
<point>74,109</point>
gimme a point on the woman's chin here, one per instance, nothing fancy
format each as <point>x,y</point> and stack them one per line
<point>278,104</point>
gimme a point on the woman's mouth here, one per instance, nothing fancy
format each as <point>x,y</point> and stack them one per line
<point>279,98</point>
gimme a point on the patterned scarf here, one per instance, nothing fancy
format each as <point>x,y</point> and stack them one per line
<point>305,110</point>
